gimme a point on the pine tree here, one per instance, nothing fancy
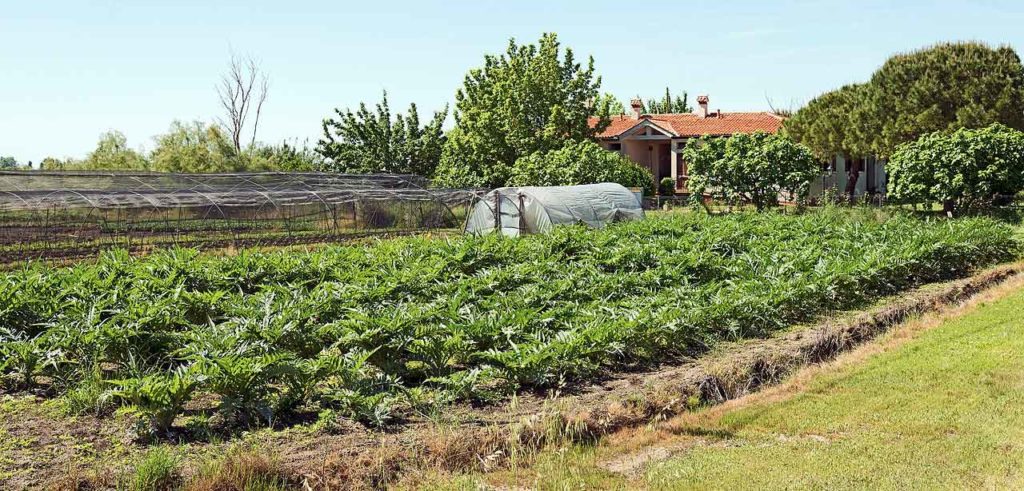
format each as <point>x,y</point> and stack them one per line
<point>941,88</point>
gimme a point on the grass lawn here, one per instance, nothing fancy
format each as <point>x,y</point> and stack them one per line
<point>939,404</point>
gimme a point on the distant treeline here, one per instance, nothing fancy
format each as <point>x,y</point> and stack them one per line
<point>189,147</point>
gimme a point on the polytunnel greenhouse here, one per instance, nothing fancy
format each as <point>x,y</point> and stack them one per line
<point>515,211</point>
<point>70,214</point>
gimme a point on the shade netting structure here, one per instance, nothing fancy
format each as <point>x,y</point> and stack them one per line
<point>46,213</point>
<point>515,211</point>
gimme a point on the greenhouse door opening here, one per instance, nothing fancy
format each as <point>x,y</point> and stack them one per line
<point>515,211</point>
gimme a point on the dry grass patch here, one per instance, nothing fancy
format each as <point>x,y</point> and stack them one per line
<point>242,469</point>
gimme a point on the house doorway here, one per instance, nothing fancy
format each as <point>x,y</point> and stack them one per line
<point>664,167</point>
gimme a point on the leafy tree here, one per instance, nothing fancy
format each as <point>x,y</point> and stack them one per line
<point>190,147</point>
<point>8,162</point>
<point>966,169</point>
<point>755,168</point>
<point>531,99</point>
<point>284,157</point>
<point>827,126</point>
<point>581,162</point>
<point>52,163</point>
<point>195,147</point>
<point>668,104</point>
<point>375,142</point>
<point>112,153</point>
<point>615,106</point>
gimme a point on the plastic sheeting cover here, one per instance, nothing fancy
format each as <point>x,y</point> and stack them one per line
<point>534,209</point>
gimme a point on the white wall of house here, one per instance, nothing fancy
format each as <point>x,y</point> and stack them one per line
<point>872,173</point>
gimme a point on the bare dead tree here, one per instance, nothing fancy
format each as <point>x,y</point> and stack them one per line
<point>241,88</point>
<point>784,112</point>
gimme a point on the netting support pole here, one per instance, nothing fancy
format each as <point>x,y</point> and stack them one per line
<point>334,217</point>
<point>497,212</point>
<point>522,216</point>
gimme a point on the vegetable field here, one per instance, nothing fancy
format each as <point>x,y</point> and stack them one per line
<point>374,333</point>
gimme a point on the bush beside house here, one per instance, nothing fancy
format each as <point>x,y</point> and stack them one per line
<point>581,162</point>
<point>755,168</point>
<point>667,187</point>
<point>964,170</point>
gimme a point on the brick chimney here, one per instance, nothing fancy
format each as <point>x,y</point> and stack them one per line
<point>702,106</point>
<point>638,107</point>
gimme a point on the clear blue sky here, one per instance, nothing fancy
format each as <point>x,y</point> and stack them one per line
<point>70,70</point>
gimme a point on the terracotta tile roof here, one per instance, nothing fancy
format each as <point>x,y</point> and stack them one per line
<point>692,125</point>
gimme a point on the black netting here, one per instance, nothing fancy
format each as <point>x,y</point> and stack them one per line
<point>78,213</point>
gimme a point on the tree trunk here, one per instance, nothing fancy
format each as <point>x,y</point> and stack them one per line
<point>948,207</point>
<point>852,176</point>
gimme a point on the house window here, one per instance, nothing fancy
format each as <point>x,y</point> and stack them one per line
<point>615,147</point>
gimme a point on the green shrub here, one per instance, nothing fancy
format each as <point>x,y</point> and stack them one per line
<point>756,168</point>
<point>583,162</point>
<point>248,386</point>
<point>375,410</point>
<point>21,359</point>
<point>967,169</point>
<point>667,187</point>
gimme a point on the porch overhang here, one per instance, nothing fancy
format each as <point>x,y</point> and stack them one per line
<point>645,129</point>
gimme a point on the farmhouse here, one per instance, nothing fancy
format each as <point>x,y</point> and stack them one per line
<point>656,141</point>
